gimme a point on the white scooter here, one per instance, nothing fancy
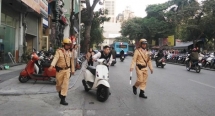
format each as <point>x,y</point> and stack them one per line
<point>97,78</point>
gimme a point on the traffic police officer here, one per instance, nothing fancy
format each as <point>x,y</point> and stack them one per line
<point>64,63</point>
<point>141,60</point>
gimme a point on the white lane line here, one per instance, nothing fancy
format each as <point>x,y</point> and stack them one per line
<point>202,83</point>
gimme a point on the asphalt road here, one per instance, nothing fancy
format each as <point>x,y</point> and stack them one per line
<point>171,91</point>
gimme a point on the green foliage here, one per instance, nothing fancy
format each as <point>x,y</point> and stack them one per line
<point>122,39</point>
<point>132,28</point>
<point>189,21</point>
<point>151,27</point>
<point>96,32</point>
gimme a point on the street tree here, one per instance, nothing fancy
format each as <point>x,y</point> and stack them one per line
<point>88,15</point>
<point>122,39</point>
<point>132,29</point>
<point>96,32</point>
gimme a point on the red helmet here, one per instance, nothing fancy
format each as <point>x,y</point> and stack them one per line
<point>194,49</point>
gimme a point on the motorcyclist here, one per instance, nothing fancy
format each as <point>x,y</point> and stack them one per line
<point>194,56</point>
<point>122,53</point>
<point>159,55</point>
<point>104,54</point>
<point>113,52</point>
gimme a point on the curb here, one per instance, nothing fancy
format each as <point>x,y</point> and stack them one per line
<point>34,93</point>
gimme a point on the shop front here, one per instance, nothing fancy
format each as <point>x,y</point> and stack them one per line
<point>32,32</point>
<point>8,29</point>
<point>44,38</point>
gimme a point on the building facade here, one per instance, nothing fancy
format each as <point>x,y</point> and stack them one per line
<point>110,5</point>
<point>125,15</point>
<point>19,28</point>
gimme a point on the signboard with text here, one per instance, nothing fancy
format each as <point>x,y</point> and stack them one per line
<point>40,6</point>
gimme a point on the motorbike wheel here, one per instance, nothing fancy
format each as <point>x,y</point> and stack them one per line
<point>212,65</point>
<point>187,67</point>
<point>162,66</point>
<point>80,65</point>
<point>102,93</point>
<point>23,79</point>
<point>198,69</point>
<point>85,86</point>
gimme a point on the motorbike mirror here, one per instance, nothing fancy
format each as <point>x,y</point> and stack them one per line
<point>34,50</point>
<point>105,62</point>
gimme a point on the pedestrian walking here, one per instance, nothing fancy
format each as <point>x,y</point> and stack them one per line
<point>141,60</point>
<point>64,63</point>
<point>89,56</point>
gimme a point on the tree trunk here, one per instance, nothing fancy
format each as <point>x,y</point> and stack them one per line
<point>136,43</point>
<point>87,37</point>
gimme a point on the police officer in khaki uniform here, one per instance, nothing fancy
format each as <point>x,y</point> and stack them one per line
<point>141,60</point>
<point>64,63</point>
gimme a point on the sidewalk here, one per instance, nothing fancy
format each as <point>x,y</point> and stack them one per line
<point>13,68</point>
<point>14,87</point>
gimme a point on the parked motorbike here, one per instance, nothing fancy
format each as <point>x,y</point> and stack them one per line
<point>213,63</point>
<point>194,66</point>
<point>79,66</point>
<point>29,71</point>
<point>97,78</point>
<point>208,60</point>
<point>160,62</point>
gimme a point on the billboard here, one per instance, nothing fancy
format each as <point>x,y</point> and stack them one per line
<point>40,6</point>
<point>171,40</point>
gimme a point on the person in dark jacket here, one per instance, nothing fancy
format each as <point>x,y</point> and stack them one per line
<point>122,53</point>
<point>194,56</point>
<point>159,55</point>
<point>113,52</point>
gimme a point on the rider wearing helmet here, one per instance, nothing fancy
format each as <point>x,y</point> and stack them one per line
<point>141,60</point>
<point>64,63</point>
<point>194,56</point>
<point>159,55</point>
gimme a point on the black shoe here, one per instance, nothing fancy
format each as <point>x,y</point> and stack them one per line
<point>142,95</point>
<point>59,94</point>
<point>134,90</point>
<point>63,101</point>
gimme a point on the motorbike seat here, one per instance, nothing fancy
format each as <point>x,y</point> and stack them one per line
<point>92,69</point>
<point>46,63</point>
<point>38,75</point>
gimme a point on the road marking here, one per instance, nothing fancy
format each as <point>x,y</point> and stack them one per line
<point>202,83</point>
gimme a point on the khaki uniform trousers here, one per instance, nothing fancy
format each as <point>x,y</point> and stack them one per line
<point>62,81</point>
<point>142,76</point>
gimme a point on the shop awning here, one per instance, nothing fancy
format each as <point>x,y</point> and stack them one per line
<point>183,44</point>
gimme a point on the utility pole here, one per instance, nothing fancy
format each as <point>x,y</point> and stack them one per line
<point>79,32</point>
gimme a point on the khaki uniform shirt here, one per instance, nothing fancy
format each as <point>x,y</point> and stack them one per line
<point>139,54</point>
<point>59,59</point>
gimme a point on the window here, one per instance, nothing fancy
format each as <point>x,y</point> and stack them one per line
<point>3,19</point>
<point>9,21</point>
<point>121,46</point>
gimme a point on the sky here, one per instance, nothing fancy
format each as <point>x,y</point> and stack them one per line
<point>137,6</point>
